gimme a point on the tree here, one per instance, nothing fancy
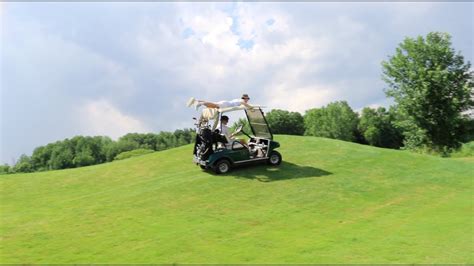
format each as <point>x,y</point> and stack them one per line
<point>62,155</point>
<point>41,156</point>
<point>127,145</point>
<point>83,158</point>
<point>146,141</point>
<point>99,149</point>
<point>165,140</point>
<point>467,129</point>
<point>376,126</point>
<point>23,165</point>
<point>183,137</point>
<point>285,122</point>
<point>4,169</point>
<point>431,85</point>
<point>337,121</point>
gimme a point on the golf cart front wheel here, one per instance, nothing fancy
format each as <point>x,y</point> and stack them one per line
<point>222,167</point>
<point>274,158</point>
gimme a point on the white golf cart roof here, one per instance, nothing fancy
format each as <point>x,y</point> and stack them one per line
<point>238,108</point>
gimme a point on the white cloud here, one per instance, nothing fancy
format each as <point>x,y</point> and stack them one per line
<point>102,118</point>
<point>212,65</point>
<point>299,99</point>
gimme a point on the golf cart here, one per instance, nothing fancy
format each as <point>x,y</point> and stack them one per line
<point>213,151</point>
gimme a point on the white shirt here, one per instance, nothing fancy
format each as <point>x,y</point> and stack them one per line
<point>231,103</point>
<point>225,132</point>
<point>236,102</point>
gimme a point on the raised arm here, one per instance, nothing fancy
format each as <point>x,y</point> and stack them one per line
<point>247,105</point>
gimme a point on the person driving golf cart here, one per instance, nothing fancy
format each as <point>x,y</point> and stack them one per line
<point>225,130</point>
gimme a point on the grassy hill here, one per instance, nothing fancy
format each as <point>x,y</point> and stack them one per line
<point>329,202</point>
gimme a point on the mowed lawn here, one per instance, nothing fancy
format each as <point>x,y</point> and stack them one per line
<point>329,202</point>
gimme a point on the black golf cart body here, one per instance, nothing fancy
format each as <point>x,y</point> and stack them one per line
<point>211,150</point>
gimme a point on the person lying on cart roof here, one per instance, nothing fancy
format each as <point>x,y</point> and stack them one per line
<point>221,104</point>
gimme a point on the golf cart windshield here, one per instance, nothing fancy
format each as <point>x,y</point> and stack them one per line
<point>258,123</point>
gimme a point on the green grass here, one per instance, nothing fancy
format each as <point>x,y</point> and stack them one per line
<point>133,153</point>
<point>329,202</point>
<point>466,150</point>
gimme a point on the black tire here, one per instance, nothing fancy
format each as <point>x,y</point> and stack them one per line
<point>274,158</point>
<point>202,167</point>
<point>222,167</point>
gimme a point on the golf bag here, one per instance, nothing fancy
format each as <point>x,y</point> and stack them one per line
<point>205,141</point>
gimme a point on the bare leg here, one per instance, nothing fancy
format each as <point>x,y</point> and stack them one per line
<point>210,105</point>
<point>207,104</point>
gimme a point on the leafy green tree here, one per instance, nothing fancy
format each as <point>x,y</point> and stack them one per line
<point>62,156</point>
<point>432,85</point>
<point>4,169</point>
<point>23,165</point>
<point>40,159</point>
<point>83,158</point>
<point>99,150</point>
<point>165,140</point>
<point>467,128</point>
<point>337,120</point>
<point>111,151</point>
<point>182,137</point>
<point>146,141</point>
<point>285,122</point>
<point>94,147</point>
<point>376,126</point>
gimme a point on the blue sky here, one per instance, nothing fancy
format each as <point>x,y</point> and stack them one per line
<point>112,68</point>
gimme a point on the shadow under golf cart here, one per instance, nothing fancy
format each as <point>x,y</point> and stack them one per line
<point>285,171</point>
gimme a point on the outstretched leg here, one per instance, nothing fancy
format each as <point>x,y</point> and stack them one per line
<point>208,104</point>
<point>198,103</point>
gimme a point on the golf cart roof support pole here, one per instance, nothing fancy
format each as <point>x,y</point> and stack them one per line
<point>250,124</point>
<point>218,118</point>
<point>266,122</point>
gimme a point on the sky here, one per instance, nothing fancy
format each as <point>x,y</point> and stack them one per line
<point>116,67</point>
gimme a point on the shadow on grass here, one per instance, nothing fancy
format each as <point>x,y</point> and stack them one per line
<point>285,171</point>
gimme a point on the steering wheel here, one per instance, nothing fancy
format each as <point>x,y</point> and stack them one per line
<point>238,129</point>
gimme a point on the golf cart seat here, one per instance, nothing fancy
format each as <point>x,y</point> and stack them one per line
<point>235,145</point>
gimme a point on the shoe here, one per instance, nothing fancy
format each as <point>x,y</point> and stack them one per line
<point>191,101</point>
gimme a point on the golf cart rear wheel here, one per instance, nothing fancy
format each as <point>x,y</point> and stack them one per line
<point>274,158</point>
<point>222,167</point>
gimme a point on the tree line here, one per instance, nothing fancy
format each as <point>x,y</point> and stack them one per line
<point>373,126</point>
<point>84,150</point>
<point>338,120</point>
